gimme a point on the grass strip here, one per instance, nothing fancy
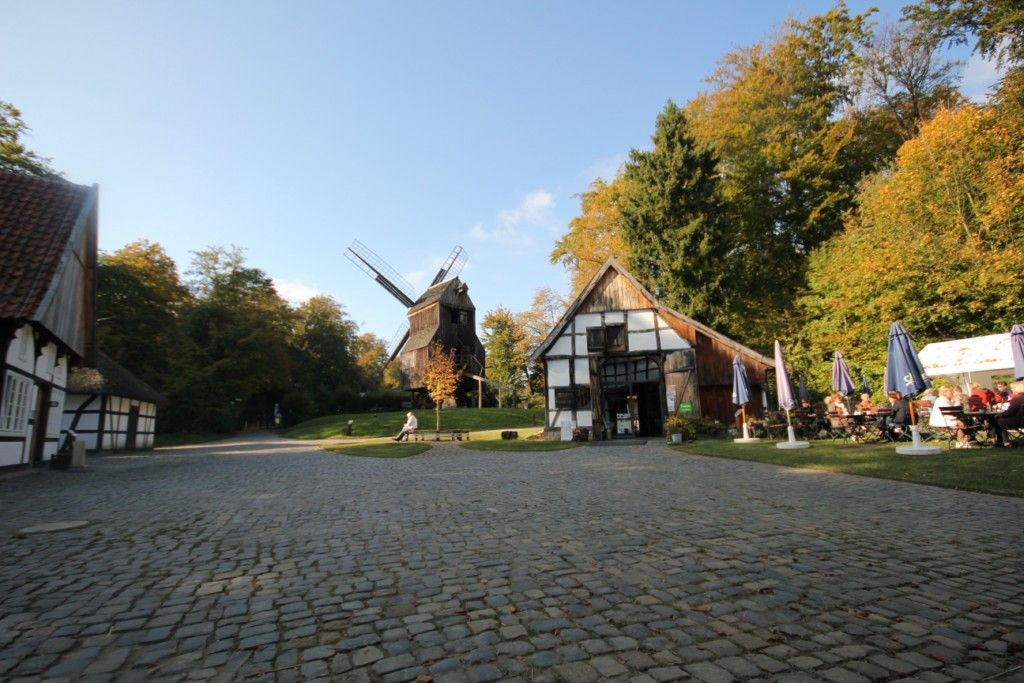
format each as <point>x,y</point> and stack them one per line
<point>988,470</point>
<point>370,425</point>
<point>380,450</point>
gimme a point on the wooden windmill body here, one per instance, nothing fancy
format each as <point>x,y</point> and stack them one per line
<point>443,313</point>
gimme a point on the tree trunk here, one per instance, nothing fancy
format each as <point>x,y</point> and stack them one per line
<point>437,409</point>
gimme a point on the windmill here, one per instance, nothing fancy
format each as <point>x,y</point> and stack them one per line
<point>443,313</point>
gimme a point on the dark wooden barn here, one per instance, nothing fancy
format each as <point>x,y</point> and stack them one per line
<point>619,362</point>
<point>444,313</point>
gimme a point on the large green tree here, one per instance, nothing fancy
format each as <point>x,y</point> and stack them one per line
<point>323,361</point>
<point>504,339</point>
<point>141,306</point>
<point>937,242</point>
<point>240,327</point>
<point>14,156</point>
<point>790,158</point>
<point>673,220</point>
<point>996,26</point>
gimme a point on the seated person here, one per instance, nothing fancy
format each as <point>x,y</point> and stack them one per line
<point>947,399</point>
<point>900,409</point>
<point>1002,392</point>
<point>981,397</point>
<point>958,397</point>
<point>838,406</point>
<point>1011,418</point>
<point>927,398</point>
<point>866,405</point>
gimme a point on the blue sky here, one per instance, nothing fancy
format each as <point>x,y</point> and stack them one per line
<point>292,128</point>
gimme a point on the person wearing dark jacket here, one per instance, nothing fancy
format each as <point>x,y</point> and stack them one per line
<point>900,417</point>
<point>1011,418</point>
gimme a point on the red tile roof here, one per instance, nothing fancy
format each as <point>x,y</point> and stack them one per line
<point>37,218</point>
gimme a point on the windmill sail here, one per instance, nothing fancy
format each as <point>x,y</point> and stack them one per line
<point>452,266</point>
<point>388,278</point>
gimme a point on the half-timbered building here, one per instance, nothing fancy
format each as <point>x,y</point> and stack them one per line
<point>47,307</point>
<point>619,362</point>
<point>109,408</point>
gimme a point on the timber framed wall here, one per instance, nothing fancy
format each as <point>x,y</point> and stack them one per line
<point>105,422</point>
<point>32,400</point>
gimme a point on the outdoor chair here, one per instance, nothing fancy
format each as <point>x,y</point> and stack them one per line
<point>960,424</point>
<point>841,427</point>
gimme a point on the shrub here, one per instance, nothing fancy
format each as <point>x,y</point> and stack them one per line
<point>296,406</point>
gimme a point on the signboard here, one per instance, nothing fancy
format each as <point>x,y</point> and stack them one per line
<point>670,398</point>
<point>623,423</point>
<point>686,407</point>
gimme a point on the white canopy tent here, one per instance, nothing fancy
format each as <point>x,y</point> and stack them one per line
<point>978,359</point>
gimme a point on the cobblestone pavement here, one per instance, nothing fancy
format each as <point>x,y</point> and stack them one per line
<point>262,559</point>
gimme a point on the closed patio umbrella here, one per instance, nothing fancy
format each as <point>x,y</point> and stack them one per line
<point>741,396</point>
<point>1017,350</point>
<point>865,388</point>
<point>784,392</point>
<point>802,391</point>
<point>841,380</point>
<point>903,373</point>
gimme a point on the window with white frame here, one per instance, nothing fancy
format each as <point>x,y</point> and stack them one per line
<point>15,406</point>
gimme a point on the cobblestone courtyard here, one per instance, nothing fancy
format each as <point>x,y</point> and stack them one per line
<point>263,559</point>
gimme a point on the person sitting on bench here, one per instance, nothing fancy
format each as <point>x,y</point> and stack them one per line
<point>410,425</point>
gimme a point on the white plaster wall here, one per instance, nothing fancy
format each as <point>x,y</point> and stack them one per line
<point>558,374</point>
<point>582,371</point>
<point>643,341</point>
<point>562,346</point>
<point>614,317</point>
<point>671,340</point>
<point>585,320</point>
<point>640,320</point>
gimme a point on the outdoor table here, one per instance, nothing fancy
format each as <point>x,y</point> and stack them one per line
<point>978,420</point>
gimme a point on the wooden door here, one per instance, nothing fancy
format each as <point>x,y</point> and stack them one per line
<point>681,380</point>
<point>39,425</point>
<point>133,428</point>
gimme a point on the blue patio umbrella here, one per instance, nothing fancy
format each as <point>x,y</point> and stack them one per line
<point>903,370</point>
<point>783,388</point>
<point>740,387</point>
<point>841,380</point>
<point>804,394</point>
<point>1017,350</point>
<point>865,388</point>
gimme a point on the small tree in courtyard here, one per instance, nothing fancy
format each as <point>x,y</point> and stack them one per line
<point>440,376</point>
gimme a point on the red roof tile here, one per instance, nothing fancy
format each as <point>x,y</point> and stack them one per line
<point>37,217</point>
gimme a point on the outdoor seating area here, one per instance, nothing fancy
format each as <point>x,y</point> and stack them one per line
<point>975,427</point>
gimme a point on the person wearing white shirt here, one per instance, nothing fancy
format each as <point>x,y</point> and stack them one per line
<point>937,419</point>
<point>410,425</point>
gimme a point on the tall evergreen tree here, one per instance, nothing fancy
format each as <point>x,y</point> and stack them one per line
<point>672,219</point>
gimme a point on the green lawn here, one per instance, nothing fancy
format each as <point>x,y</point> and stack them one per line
<point>370,425</point>
<point>984,469</point>
<point>381,450</point>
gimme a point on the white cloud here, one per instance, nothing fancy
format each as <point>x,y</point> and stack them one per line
<point>979,75</point>
<point>515,227</point>
<point>294,292</point>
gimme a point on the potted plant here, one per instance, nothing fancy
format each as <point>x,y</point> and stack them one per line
<point>674,427</point>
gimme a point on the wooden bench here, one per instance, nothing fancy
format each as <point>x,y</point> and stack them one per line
<point>435,435</point>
